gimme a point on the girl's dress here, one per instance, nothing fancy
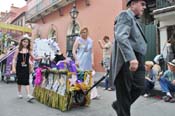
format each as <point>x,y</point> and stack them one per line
<point>22,69</point>
<point>84,56</point>
<point>84,53</point>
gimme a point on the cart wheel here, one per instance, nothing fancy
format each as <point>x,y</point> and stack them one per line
<point>80,98</point>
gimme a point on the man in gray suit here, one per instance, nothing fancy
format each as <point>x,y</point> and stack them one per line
<point>129,49</point>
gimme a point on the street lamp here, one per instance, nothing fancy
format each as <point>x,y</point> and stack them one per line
<point>71,38</point>
<point>74,14</point>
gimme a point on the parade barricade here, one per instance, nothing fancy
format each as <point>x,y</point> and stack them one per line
<point>7,66</point>
<point>63,89</point>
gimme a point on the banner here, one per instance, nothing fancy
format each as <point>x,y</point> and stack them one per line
<point>15,27</point>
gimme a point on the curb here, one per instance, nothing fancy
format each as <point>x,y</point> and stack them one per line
<point>155,92</point>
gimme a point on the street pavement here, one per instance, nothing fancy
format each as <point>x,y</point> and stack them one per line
<point>10,105</point>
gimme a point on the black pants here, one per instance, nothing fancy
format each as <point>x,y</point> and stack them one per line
<point>148,86</point>
<point>129,86</point>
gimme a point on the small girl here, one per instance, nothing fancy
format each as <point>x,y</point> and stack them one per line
<point>150,77</point>
<point>21,66</point>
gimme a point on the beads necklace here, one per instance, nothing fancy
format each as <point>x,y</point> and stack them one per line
<point>24,59</point>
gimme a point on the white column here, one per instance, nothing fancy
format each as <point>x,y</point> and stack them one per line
<point>163,39</point>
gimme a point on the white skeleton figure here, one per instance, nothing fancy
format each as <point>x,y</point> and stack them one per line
<point>45,46</point>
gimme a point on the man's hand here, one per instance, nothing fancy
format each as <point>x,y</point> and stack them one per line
<point>133,65</point>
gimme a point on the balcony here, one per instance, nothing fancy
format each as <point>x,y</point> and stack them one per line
<point>44,8</point>
<point>164,3</point>
<point>165,9</point>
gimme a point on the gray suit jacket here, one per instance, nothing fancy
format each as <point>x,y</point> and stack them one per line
<point>129,38</point>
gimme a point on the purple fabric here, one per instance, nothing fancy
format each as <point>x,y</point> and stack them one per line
<point>66,65</point>
<point>9,65</point>
<point>61,65</point>
<point>53,65</point>
<point>79,81</point>
<point>72,66</point>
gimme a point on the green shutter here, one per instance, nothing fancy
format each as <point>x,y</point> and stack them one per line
<point>150,33</point>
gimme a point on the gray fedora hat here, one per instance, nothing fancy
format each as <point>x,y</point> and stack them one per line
<point>129,1</point>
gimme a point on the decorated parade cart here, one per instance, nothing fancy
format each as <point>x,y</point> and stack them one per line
<point>58,83</point>
<point>63,89</point>
<point>62,85</point>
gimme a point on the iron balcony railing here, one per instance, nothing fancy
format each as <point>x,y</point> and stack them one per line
<point>164,3</point>
<point>40,7</point>
<point>43,6</point>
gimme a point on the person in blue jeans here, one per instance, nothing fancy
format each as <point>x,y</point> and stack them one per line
<point>167,82</point>
<point>150,77</point>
